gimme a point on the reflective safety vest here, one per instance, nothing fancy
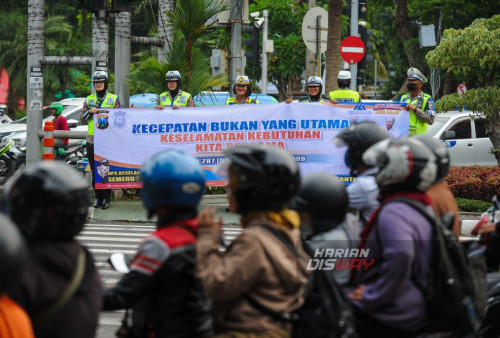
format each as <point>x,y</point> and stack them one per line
<point>234,100</point>
<point>181,99</point>
<point>344,95</point>
<point>108,102</point>
<point>308,100</point>
<point>416,126</point>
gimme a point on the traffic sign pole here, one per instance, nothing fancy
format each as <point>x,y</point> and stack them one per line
<point>354,32</point>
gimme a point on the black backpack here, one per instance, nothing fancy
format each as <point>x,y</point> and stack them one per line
<point>326,312</point>
<point>449,294</point>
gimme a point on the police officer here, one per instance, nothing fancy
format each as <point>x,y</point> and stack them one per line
<point>101,99</point>
<point>174,97</point>
<point>344,94</point>
<point>314,88</point>
<point>242,91</point>
<point>420,104</point>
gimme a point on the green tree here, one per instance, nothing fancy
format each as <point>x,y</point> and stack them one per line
<point>474,49</point>
<point>191,17</point>
<point>149,74</point>
<point>13,48</point>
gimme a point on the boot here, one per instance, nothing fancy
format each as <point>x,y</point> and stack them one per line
<point>97,203</point>
<point>105,203</point>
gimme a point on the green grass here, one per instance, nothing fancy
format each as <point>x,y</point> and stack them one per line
<point>468,205</point>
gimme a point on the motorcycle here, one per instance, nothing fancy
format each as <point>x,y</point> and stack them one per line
<point>71,154</point>
<point>11,160</point>
<point>121,263</point>
<point>490,326</point>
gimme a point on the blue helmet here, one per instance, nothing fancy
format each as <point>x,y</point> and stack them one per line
<point>172,178</point>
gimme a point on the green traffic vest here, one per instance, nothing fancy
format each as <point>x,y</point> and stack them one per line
<point>234,100</point>
<point>344,95</point>
<point>416,126</point>
<point>181,99</point>
<point>108,102</point>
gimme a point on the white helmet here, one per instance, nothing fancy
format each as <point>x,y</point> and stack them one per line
<point>242,80</point>
<point>173,75</point>
<point>344,75</point>
<point>314,81</point>
<point>99,75</point>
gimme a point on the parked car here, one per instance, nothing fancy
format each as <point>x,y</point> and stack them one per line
<point>17,129</point>
<point>464,135</point>
<point>208,98</point>
<point>145,100</point>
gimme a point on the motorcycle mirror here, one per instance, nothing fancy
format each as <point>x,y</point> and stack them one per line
<point>119,262</point>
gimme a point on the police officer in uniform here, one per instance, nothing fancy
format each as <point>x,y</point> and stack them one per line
<point>344,94</point>
<point>101,99</point>
<point>174,97</point>
<point>242,91</point>
<point>420,104</point>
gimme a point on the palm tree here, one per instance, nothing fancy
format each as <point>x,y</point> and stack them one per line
<point>333,44</point>
<point>192,18</point>
<point>149,75</point>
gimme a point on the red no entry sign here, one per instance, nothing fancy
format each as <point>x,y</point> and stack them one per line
<point>352,49</point>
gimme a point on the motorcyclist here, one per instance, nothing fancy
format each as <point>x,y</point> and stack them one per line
<point>387,301</point>
<point>60,123</point>
<point>243,91</point>
<point>442,198</point>
<point>14,322</point>
<point>60,288</point>
<point>101,99</point>
<point>322,205</point>
<point>162,288</point>
<point>262,180</point>
<point>363,192</point>
<point>174,97</point>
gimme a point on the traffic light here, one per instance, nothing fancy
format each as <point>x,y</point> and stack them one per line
<point>362,9</point>
<point>364,34</point>
<point>254,44</point>
<point>93,5</point>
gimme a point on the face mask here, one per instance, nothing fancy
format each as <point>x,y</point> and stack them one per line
<point>411,86</point>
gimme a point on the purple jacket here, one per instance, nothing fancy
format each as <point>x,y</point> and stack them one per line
<point>400,243</point>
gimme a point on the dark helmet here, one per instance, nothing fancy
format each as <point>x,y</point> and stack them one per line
<point>58,108</point>
<point>404,164</point>
<point>267,177</point>
<point>439,150</point>
<point>13,254</point>
<point>48,200</point>
<point>172,178</point>
<point>324,198</point>
<point>358,138</point>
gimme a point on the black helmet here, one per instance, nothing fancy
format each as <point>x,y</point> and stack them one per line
<point>358,138</point>
<point>48,200</point>
<point>439,150</point>
<point>267,177</point>
<point>324,198</point>
<point>404,164</point>
<point>13,254</point>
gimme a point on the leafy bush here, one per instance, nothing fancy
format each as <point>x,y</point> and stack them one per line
<point>475,183</point>
<point>467,205</point>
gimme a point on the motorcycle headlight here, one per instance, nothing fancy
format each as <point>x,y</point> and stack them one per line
<point>19,142</point>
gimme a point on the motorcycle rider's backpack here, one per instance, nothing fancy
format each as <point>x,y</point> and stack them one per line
<point>326,312</point>
<point>449,293</point>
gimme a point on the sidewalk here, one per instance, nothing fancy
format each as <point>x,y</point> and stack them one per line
<point>134,211</point>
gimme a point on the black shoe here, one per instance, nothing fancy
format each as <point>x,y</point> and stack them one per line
<point>105,204</point>
<point>97,203</point>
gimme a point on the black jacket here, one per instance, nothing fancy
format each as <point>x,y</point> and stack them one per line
<point>162,289</point>
<point>49,270</point>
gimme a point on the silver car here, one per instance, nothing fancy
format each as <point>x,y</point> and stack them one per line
<point>464,135</point>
